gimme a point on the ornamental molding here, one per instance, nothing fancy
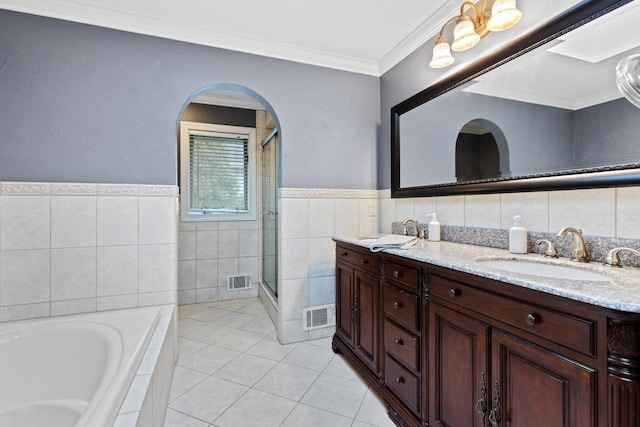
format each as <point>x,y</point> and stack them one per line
<point>326,193</point>
<point>72,189</point>
<point>117,190</point>
<point>25,188</point>
<point>158,190</point>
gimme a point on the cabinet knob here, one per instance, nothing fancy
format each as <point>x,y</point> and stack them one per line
<point>397,274</point>
<point>364,261</point>
<point>397,305</point>
<point>344,254</point>
<point>454,293</point>
<point>398,341</point>
<point>531,319</point>
<point>400,380</point>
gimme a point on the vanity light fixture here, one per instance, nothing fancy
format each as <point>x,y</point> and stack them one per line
<point>469,29</point>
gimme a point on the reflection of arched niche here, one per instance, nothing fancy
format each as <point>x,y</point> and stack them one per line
<point>481,152</point>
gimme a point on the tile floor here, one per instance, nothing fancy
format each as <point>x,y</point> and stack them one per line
<point>232,371</point>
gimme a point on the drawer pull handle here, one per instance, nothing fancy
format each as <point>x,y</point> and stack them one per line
<point>398,341</point>
<point>364,261</point>
<point>400,380</point>
<point>531,319</point>
<point>344,253</point>
<point>397,305</point>
<point>454,293</point>
<point>397,274</point>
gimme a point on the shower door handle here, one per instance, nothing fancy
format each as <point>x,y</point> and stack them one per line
<point>268,213</point>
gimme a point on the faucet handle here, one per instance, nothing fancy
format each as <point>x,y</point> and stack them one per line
<point>551,248</point>
<point>613,260</point>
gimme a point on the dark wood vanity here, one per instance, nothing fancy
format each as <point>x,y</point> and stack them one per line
<point>447,348</point>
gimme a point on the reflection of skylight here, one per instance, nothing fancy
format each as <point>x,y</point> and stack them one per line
<point>616,33</point>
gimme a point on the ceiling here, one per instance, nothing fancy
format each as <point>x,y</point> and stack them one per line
<point>363,36</point>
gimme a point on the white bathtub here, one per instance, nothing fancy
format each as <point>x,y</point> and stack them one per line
<point>73,370</point>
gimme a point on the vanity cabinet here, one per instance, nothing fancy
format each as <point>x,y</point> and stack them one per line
<point>448,348</point>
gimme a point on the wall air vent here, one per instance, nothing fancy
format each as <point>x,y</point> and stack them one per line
<point>236,283</point>
<point>319,316</point>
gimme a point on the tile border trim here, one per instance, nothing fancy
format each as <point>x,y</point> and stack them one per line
<point>327,193</point>
<point>85,189</point>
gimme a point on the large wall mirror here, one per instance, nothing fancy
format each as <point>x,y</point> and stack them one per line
<point>543,113</point>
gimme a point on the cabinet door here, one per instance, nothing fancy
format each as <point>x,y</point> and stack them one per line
<point>540,388</point>
<point>345,321</point>
<point>458,369</point>
<point>367,319</point>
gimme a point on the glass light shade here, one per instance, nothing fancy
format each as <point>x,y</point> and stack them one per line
<point>441,54</point>
<point>628,78</point>
<point>464,34</point>
<point>504,15</point>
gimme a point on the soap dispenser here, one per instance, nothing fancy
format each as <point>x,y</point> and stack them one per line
<point>517,237</point>
<point>434,228</point>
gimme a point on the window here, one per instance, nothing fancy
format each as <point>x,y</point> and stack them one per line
<point>217,172</point>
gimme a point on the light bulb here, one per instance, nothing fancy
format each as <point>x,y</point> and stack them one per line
<point>504,15</point>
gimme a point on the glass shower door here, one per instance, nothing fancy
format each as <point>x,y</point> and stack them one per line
<point>270,212</point>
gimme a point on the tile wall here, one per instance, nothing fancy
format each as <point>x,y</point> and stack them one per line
<point>70,248</point>
<point>309,218</point>
<point>606,212</point>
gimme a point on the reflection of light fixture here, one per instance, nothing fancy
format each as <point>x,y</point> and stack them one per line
<point>469,30</point>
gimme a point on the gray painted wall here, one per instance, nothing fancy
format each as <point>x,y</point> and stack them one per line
<point>87,104</point>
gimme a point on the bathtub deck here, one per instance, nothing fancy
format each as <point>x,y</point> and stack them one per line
<point>233,372</point>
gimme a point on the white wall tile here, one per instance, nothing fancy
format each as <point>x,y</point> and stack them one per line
<point>322,290</point>
<point>425,206</point>
<point>226,267</point>
<point>250,265</point>
<point>207,273</point>
<point>224,294</point>
<point>27,311</point>
<point>387,214</point>
<point>252,292</point>
<point>188,297</point>
<point>248,243</point>
<point>188,226</point>
<point>533,207</point>
<point>405,208</point>
<point>482,210</point>
<point>117,270</point>
<point>207,225</point>
<point>294,296</point>
<point>25,277</point>
<point>346,217</point>
<point>228,244</point>
<point>117,302</point>
<point>593,211</point>
<point>76,306</point>
<point>117,220</point>
<point>294,218</point>
<point>25,222</point>
<point>367,224</point>
<point>186,275</point>
<point>73,221</point>
<point>73,274</point>
<point>205,295</point>
<point>627,213</point>
<point>451,210</point>
<point>295,259</point>
<point>187,245</point>
<point>227,225</point>
<point>321,217</point>
<point>156,268</point>
<point>157,219</point>
<point>146,299</point>
<point>207,244</point>
<point>291,331</point>
<point>322,257</point>
<point>250,225</point>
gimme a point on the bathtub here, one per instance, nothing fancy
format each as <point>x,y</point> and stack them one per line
<point>72,370</point>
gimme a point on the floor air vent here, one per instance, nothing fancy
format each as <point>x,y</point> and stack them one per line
<point>319,316</point>
<point>239,282</point>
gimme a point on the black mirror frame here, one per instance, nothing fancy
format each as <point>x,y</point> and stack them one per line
<point>572,18</point>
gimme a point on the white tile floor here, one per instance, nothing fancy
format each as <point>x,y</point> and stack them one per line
<point>233,372</point>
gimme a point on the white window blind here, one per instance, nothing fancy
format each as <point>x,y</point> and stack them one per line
<point>218,173</point>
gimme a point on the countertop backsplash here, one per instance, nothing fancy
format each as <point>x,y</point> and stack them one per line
<point>596,246</point>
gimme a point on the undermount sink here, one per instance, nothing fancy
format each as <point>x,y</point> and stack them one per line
<point>554,271</point>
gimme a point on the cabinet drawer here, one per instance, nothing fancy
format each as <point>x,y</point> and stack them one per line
<point>403,345</point>
<point>366,260</point>
<point>562,328</point>
<point>401,306</point>
<point>408,276</point>
<point>405,385</point>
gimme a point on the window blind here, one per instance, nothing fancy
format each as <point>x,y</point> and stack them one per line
<point>219,173</point>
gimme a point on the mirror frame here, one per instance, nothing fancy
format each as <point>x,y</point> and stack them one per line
<point>600,177</point>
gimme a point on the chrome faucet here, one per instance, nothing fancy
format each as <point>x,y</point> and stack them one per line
<point>578,253</point>
<point>612,259</point>
<point>415,226</point>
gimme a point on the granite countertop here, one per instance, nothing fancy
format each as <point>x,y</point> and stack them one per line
<point>621,293</point>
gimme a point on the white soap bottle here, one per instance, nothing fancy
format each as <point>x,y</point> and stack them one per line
<point>517,237</point>
<point>434,228</point>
